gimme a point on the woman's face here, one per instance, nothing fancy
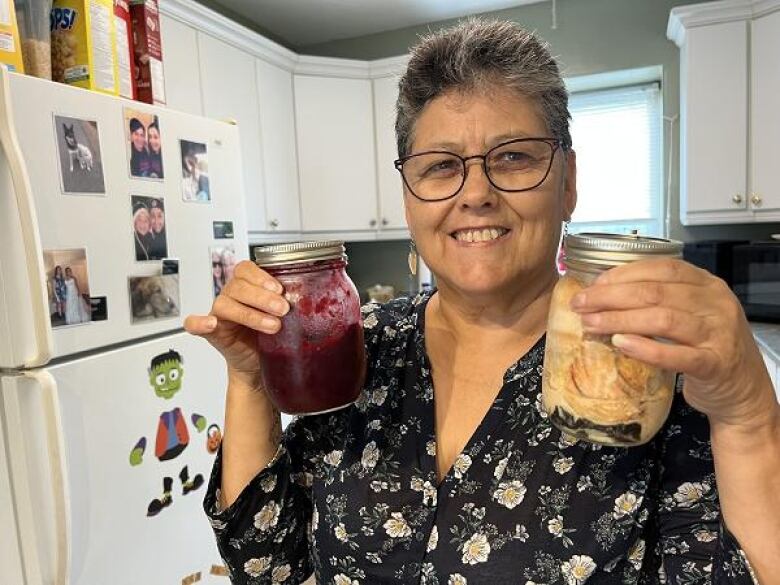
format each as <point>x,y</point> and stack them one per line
<point>142,222</point>
<point>154,140</point>
<point>68,273</point>
<point>216,268</point>
<point>157,219</point>
<point>57,272</point>
<point>138,138</point>
<point>470,124</point>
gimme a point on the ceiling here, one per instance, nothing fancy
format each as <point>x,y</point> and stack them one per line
<point>298,23</point>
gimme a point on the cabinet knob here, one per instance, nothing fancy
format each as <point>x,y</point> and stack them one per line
<point>372,223</point>
<point>755,199</point>
<point>737,198</point>
<point>384,221</point>
<point>274,223</point>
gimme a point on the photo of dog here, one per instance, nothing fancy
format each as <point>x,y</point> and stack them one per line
<point>81,163</point>
<point>154,297</point>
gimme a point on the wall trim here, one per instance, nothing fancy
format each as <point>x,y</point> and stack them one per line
<point>331,67</point>
<point>683,18</point>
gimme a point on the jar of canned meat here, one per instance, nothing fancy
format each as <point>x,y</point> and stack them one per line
<point>316,362</point>
<point>589,388</point>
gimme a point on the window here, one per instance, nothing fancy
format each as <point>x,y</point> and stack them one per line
<point>617,137</point>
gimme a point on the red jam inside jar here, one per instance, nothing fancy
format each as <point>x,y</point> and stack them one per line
<point>316,362</point>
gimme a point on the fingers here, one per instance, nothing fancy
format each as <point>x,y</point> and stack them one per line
<point>636,295</point>
<point>201,325</point>
<point>257,297</point>
<point>676,325</point>
<point>693,362</point>
<point>229,309</point>
<point>655,270</point>
<point>254,275</point>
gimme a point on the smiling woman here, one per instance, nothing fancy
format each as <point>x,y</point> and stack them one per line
<point>447,469</point>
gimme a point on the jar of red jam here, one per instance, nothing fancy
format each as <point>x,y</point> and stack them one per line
<point>316,362</point>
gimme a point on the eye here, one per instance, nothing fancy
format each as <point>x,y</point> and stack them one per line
<point>444,167</point>
<point>173,375</point>
<point>160,379</point>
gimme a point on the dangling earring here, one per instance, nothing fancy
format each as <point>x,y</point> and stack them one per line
<point>412,258</point>
<point>565,230</point>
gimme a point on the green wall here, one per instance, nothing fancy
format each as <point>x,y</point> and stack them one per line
<point>592,36</point>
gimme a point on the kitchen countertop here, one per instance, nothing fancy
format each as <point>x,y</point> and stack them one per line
<point>768,337</point>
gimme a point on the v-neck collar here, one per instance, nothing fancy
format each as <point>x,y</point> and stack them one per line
<point>494,415</point>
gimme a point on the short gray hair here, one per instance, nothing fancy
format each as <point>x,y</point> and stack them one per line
<point>472,56</point>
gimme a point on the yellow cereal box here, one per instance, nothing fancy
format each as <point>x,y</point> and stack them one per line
<point>10,50</point>
<point>83,44</point>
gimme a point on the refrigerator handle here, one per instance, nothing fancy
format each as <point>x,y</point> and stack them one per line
<point>58,472</point>
<point>36,273</point>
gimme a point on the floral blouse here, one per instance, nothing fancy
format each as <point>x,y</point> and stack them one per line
<point>352,496</point>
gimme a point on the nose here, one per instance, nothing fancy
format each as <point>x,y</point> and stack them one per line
<point>476,191</point>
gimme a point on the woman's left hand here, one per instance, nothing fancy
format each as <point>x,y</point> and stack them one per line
<point>705,332</point>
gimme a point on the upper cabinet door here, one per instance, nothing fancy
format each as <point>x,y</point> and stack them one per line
<point>182,75</point>
<point>714,121</point>
<point>277,122</point>
<point>391,203</point>
<point>765,114</point>
<point>230,92</point>
<point>335,133</point>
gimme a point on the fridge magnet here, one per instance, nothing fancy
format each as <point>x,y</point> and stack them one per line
<point>80,159</point>
<point>165,375</point>
<point>194,172</point>
<point>170,266</point>
<point>99,308</point>
<point>149,229</point>
<point>144,141</point>
<point>223,263</point>
<point>223,230</point>
<point>67,281</point>
<point>154,297</point>
<point>213,439</point>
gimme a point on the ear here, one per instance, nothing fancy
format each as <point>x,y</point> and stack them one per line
<point>570,185</point>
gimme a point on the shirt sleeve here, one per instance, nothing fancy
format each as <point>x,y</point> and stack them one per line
<point>696,546</point>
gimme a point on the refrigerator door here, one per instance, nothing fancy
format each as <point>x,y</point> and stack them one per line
<point>102,223</point>
<point>116,468</point>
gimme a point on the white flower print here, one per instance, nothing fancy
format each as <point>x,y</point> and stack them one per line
<point>333,458</point>
<point>637,554</point>
<point>563,464</point>
<point>370,322</point>
<point>268,483</point>
<point>433,540</point>
<point>566,441</point>
<point>577,569</point>
<point>416,484</point>
<point>378,396</point>
<point>688,494</point>
<point>476,549</point>
<point>704,535</point>
<point>370,456</point>
<point>626,504</point>
<point>457,579</point>
<point>375,424</point>
<point>498,472</point>
<point>256,567</point>
<point>510,493</point>
<point>267,517</point>
<point>430,448</point>
<point>555,526</point>
<point>342,579</point>
<point>341,532</point>
<point>461,465</point>
<point>280,574</point>
<point>396,526</point>
<point>429,494</point>
<point>584,483</point>
<point>521,533</point>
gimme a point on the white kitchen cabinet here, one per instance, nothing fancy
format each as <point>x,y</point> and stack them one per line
<point>230,92</point>
<point>277,124</point>
<point>729,125</point>
<point>389,183</point>
<point>182,73</point>
<point>765,115</point>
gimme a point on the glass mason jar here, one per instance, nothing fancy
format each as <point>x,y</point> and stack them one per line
<point>589,388</point>
<point>316,362</point>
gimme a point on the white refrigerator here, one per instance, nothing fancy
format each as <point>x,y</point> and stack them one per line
<point>109,413</point>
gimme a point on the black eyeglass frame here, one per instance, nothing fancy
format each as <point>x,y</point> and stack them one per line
<point>553,143</point>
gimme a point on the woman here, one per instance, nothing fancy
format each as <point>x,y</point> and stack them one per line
<point>142,226</point>
<point>217,273</point>
<point>139,156</point>
<point>59,291</point>
<point>76,309</point>
<point>447,470</point>
<point>158,247</point>
<point>155,150</point>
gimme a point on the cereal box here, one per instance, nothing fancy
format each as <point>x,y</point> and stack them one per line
<point>10,51</point>
<point>83,44</point>
<point>147,50</point>
<point>124,48</point>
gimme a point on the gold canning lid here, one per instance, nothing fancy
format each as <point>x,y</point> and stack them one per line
<point>299,253</point>
<point>591,251</point>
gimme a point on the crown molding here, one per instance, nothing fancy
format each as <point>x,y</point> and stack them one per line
<point>206,20</point>
<point>683,18</point>
<point>389,67</point>
<point>332,67</point>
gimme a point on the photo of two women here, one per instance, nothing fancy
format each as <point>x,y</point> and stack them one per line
<point>145,144</point>
<point>149,228</point>
<point>67,283</point>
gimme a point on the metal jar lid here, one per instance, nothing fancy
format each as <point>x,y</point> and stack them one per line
<point>299,253</point>
<point>598,251</point>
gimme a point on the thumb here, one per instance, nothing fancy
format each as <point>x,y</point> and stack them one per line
<point>201,325</point>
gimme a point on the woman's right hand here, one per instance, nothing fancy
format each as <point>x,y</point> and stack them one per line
<point>249,303</point>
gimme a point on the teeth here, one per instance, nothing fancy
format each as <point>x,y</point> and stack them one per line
<point>484,235</point>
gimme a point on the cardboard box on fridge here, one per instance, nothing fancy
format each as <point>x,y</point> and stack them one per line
<point>10,44</point>
<point>147,50</point>
<point>124,48</point>
<point>83,44</point>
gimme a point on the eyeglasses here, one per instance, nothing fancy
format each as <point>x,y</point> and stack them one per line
<point>517,165</point>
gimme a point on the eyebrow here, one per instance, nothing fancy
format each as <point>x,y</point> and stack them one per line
<point>494,141</point>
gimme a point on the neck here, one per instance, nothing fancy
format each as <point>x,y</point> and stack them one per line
<point>504,316</point>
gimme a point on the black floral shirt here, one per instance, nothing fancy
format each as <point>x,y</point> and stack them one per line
<point>353,497</point>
